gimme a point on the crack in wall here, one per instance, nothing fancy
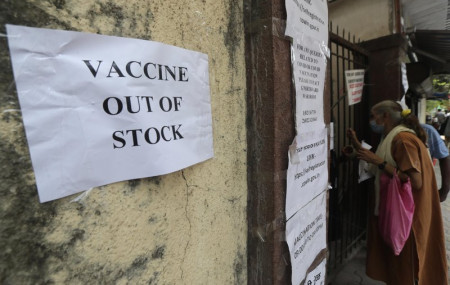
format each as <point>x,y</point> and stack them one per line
<point>189,221</point>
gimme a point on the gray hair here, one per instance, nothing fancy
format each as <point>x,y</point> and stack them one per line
<point>393,108</point>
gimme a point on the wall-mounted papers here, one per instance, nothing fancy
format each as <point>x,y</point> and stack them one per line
<point>307,175</point>
<point>101,109</point>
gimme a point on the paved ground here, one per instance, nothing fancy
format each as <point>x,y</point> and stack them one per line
<point>354,271</point>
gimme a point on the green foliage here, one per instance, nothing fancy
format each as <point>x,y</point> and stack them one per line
<point>433,105</point>
<point>441,83</point>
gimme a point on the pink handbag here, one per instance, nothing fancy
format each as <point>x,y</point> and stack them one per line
<point>396,211</point>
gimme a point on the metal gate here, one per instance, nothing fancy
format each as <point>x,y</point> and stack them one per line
<point>348,198</point>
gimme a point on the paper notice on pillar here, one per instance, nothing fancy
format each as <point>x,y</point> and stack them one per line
<point>354,80</point>
<point>101,109</point>
<point>309,18</point>
<point>309,177</point>
<point>317,276</point>
<point>309,66</point>
<point>306,236</point>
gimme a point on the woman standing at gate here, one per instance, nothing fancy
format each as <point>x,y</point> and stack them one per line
<point>403,149</point>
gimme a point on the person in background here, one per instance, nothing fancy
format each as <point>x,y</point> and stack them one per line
<point>440,116</point>
<point>439,151</point>
<point>443,125</point>
<point>402,149</point>
<point>435,123</point>
<point>447,133</point>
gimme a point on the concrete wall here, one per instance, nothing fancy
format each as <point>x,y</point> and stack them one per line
<point>366,19</point>
<point>189,227</point>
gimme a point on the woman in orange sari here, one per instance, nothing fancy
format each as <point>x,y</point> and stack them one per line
<point>403,149</point>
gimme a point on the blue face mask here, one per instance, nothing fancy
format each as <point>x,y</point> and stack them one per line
<point>379,129</point>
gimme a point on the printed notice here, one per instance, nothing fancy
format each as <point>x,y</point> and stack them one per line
<point>309,66</point>
<point>306,236</point>
<point>309,177</point>
<point>317,276</point>
<point>307,18</point>
<point>354,80</point>
<point>101,109</point>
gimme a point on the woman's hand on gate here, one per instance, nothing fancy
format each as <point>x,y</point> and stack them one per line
<point>367,155</point>
<point>353,139</point>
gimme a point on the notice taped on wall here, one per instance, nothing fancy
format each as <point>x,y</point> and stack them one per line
<point>309,67</point>
<point>307,18</point>
<point>309,176</point>
<point>306,236</point>
<point>100,109</point>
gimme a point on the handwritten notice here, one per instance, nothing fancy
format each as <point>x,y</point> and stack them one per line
<point>100,109</point>
<point>354,80</point>
<point>306,236</point>
<point>309,177</point>
<point>307,18</point>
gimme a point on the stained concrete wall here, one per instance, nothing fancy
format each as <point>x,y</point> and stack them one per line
<point>367,19</point>
<point>188,227</point>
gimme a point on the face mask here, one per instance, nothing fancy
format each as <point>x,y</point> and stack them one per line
<point>379,129</point>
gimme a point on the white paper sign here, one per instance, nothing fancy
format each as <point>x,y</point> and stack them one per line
<point>364,167</point>
<point>306,236</point>
<point>404,78</point>
<point>354,80</point>
<point>101,109</point>
<point>308,18</point>
<point>309,66</point>
<point>309,177</point>
<point>317,276</point>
